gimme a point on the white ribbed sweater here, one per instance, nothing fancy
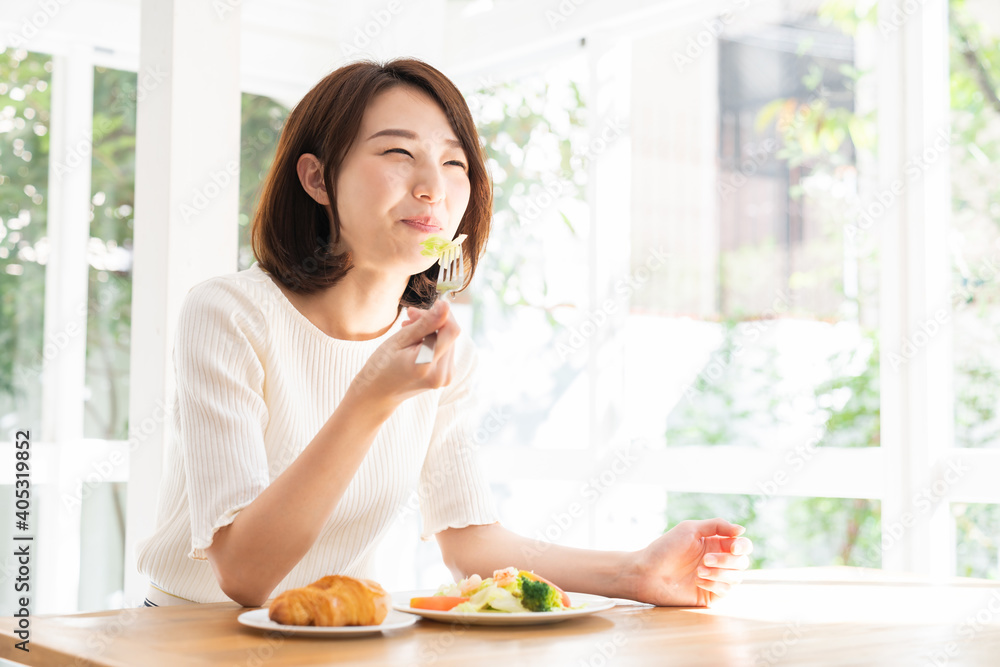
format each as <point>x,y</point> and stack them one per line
<point>255,382</point>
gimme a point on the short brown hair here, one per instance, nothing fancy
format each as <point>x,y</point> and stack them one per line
<point>292,233</point>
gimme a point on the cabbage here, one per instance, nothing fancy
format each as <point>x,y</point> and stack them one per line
<point>491,598</point>
<point>449,590</point>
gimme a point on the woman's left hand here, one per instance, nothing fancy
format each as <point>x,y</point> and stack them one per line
<point>691,565</point>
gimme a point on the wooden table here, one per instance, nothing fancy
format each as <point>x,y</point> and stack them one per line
<point>830,616</point>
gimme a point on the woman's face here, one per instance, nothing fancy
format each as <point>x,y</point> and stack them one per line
<point>405,178</point>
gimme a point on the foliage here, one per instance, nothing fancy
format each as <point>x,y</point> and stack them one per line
<point>978,528</point>
<point>735,398</point>
<point>534,134</point>
<point>851,398</point>
<point>816,129</point>
<point>261,123</point>
<point>24,163</point>
<point>975,118</point>
<point>110,253</point>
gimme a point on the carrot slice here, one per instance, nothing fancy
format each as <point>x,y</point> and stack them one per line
<point>437,602</point>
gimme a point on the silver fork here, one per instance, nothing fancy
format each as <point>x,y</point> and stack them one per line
<point>451,276</point>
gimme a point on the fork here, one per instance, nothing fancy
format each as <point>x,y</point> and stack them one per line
<point>451,276</point>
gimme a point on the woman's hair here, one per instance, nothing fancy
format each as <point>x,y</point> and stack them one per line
<point>292,234</point>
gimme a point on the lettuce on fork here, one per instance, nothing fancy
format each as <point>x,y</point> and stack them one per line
<point>436,246</point>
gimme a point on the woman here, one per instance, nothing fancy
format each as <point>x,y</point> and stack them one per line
<point>302,423</point>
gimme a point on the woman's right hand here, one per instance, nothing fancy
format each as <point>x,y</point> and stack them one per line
<point>392,375</point>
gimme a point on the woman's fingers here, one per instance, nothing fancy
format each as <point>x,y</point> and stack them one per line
<point>726,561</point>
<point>729,576</point>
<point>426,322</point>
<point>447,364</point>
<point>412,315</point>
<point>739,546</point>
<point>713,527</point>
<point>720,588</point>
<point>440,320</point>
<point>447,334</point>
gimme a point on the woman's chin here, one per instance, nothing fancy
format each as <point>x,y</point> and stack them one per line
<point>418,263</point>
<point>422,267</point>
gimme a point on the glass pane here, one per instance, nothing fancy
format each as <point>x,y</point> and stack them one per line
<point>977,533</point>
<point>102,547</point>
<point>263,118</point>
<point>530,289</point>
<point>24,178</point>
<point>975,118</point>
<point>794,532</point>
<point>764,317</point>
<point>110,255</point>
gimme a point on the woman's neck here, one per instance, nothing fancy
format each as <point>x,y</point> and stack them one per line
<point>362,306</point>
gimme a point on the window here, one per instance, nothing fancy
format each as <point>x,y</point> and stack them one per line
<point>25,81</point>
<point>704,295</point>
<point>765,316</point>
<point>975,265</point>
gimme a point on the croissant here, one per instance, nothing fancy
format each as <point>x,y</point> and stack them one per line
<point>332,600</point>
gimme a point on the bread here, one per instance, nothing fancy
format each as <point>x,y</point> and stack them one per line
<point>333,600</point>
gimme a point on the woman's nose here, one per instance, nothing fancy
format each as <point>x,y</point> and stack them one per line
<point>429,185</point>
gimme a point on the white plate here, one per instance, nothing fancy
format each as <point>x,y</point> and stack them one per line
<point>393,621</point>
<point>595,603</point>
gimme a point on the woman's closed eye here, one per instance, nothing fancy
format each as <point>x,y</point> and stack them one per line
<point>403,151</point>
<point>398,150</point>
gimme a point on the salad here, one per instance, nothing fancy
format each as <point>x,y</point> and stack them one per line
<point>437,246</point>
<point>509,590</point>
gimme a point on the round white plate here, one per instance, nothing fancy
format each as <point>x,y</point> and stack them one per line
<point>594,604</point>
<point>393,621</point>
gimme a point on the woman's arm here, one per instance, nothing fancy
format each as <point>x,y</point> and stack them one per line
<point>690,565</point>
<point>270,536</point>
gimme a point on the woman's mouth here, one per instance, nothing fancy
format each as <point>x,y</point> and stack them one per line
<point>423,224</point>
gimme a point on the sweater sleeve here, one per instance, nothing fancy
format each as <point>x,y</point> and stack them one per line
<point>221,409</point>
<point>454,492</point>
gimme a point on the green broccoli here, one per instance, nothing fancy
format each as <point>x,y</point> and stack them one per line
<point>538,595</point>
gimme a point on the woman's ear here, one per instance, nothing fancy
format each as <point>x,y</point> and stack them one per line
<point>310,171</point>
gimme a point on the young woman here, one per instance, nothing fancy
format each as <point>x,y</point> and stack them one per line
<point>303,425</point>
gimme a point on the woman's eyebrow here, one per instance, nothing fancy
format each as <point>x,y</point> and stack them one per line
<point>407,134</point>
